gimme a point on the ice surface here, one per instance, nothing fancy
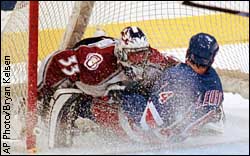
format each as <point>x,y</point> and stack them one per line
<point>234,140</point>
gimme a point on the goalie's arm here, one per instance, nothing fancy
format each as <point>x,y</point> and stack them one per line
<point>57,69</point>
<point>41,85</point>
<point>163,60</point>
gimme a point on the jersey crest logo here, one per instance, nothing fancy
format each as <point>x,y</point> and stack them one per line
<point>150,117</point>
<point>165,96</point>
<point>93,60</point>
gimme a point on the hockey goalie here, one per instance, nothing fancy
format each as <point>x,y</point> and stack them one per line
<point>84,85</point>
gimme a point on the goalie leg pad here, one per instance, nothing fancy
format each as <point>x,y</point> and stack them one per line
<point>63,107</point>
<point>60,98</point>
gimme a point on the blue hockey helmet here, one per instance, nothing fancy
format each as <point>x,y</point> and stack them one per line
<point>202,49</point>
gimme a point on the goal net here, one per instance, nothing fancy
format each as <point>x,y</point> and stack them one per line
<point>170,25</point>
<point>167,24</point>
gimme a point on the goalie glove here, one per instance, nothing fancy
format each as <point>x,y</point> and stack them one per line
<point>136,87</point>
<point>128,87</point>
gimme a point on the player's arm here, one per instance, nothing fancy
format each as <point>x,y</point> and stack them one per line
<point>207,109</point>
<point>163,60</point>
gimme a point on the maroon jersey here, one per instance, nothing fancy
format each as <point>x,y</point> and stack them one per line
<point>92,67</point>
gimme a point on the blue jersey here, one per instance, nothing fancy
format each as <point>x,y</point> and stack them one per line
<point>179,89</point>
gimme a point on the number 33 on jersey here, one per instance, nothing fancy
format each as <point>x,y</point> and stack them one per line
<point>73,68</point>
<point>90,65</point>
<point>92,62</point>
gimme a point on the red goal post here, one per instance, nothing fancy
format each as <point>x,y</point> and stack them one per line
<point>32,75</point>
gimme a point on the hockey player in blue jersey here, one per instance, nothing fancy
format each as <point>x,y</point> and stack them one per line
<point>186,100</point>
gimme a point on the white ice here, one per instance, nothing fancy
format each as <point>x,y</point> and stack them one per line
<point>234,140</point>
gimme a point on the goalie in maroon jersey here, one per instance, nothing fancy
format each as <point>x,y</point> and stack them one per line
<point>89,77</point>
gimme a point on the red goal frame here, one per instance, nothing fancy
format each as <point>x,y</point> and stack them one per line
<point>32,76</point>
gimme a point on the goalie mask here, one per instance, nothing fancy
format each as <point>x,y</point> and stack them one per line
<point>133,50</point>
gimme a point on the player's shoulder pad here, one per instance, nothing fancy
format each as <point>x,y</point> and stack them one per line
<point>100,41</point>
